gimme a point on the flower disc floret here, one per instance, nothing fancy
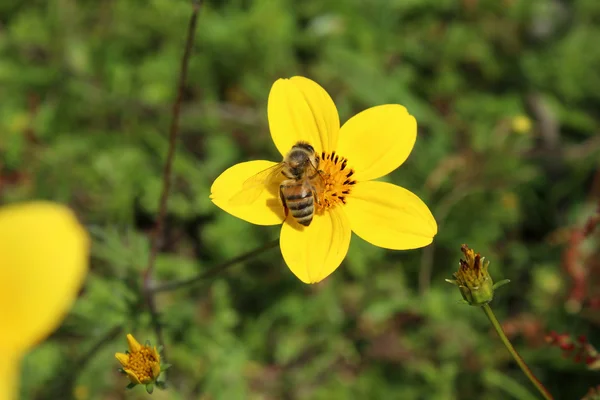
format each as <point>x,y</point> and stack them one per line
<point>140,363</point>
<point>338,181</point>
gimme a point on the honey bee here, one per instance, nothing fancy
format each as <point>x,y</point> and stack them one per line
<point>298,190</point>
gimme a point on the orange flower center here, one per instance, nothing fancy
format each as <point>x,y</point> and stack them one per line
<point>141,362</point>
<point>337,181</point>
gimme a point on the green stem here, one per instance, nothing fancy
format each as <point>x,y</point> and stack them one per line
<point>490,314</point>
<point>214,271</point>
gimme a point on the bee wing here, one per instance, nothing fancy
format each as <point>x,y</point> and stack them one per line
<point>255,185</point>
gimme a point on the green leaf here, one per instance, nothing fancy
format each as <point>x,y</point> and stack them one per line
<point>131,385</point>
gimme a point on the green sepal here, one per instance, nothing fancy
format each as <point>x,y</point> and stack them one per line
<point>131,385</point>
<point>147,343</point>
<point>161,385</point>
<point>164,367</point>
<point>150,388</point>
<point>501,283</point>
<point>160,348</point>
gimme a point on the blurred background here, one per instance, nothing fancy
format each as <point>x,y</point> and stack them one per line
<point>506,94</point>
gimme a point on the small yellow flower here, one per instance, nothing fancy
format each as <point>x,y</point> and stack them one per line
<point>521,124</point>
<point>43,261</point>
<point>140,363</point>
<point>368,146</point>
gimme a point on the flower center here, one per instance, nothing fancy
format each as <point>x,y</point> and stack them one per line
<point>140,363</point>
<point>337,181</point>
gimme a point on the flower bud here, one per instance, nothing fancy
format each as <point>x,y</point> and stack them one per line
<point>473,280</point>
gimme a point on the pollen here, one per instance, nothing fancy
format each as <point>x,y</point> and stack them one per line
<point>336,183</point>
<point>141,364</point>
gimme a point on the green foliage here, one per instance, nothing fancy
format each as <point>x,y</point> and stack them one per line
<point>86,92</point>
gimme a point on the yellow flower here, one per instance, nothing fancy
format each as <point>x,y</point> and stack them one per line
<point>140,363</point>
<point>521,124</point>
<point>368,146</point>
<point>43,261</point>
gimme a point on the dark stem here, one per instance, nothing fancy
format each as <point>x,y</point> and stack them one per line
<point>214,270</point>
<point>162,211</point>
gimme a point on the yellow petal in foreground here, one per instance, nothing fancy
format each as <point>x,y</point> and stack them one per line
<point>10,368</point>
<point>43,261</point>
<point>389,216</point>
<point>377,140</point>
<point>301,110</point>
<point>262,207</point>
<point>312,253</point>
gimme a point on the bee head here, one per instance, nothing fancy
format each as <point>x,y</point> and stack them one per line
<point>299,157</point>
<point>305,146</point>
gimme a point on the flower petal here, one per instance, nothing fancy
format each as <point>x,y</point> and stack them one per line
<point>134,345</point>
<point>156,354</point>
<point>312,253</point>
<point>132,376</point>
<point>10,373</point>
<point>263,207</point>
<point>43,261</point>
<point>377,140</point>
<point>123,358</point>
<point>155,370</point>
<point>389,216</point>
<point>300,109</point>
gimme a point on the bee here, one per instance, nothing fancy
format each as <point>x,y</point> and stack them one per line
<point>301,180</point>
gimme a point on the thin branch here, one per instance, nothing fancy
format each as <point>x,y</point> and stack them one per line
<point>162,211</point>
<point>214,270</point>
<point>103,341</point>
<point>173,132</point>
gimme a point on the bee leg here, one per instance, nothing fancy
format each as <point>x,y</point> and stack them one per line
<point>316,196</point>
<point>286,210</point>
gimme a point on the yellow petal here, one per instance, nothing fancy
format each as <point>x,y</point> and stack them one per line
<point>10,371</point>
<point>155,370</point>
<point>156,354</point>
<point>312,253</point>
<point>389,216</point>
<point>263,208</point>
<point>132,376</point>
<point>123,359</point>
<point>134,345</point>
<point>300,109</point>
<point>377,140</point>
<point>43,260</point>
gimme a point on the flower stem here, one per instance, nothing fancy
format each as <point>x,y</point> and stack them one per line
<point>490,314</point>
<point>167,175</point>
<point>173,285</point>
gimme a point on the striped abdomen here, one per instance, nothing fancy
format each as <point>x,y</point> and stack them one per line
<point>298,199</point>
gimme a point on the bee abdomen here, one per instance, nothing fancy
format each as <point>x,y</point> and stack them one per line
<point>302,210</point>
